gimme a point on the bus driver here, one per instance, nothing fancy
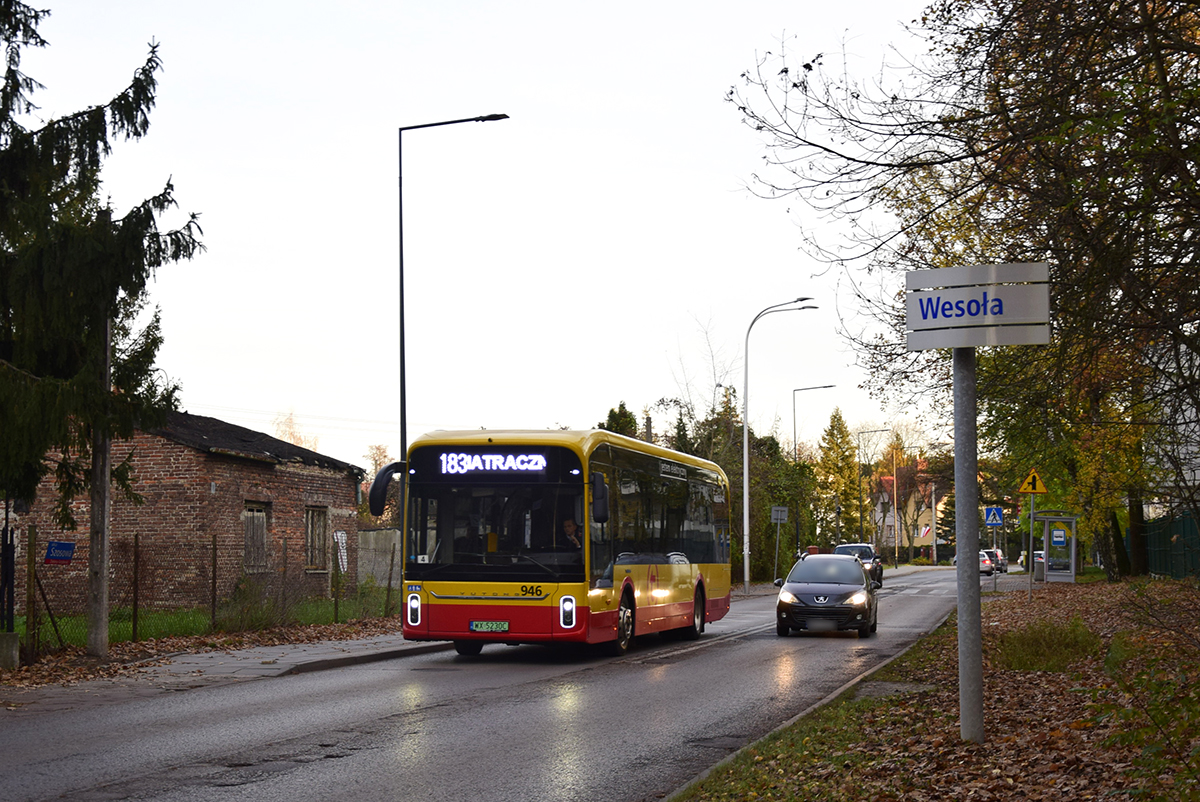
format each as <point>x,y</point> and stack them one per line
<point>571,530</point>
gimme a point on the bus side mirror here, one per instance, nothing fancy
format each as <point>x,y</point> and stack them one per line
<point>377,497</point>
<point>599,498</point>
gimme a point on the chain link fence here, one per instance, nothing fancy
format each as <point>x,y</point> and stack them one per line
<point>189,588</point>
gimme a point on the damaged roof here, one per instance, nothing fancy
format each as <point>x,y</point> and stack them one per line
<point>218,437</point>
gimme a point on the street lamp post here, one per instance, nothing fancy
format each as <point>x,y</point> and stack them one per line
<point>400,167</point>
<point>933,502</point>
<point>895,520</point>
<point>861,535</point>
<point>795,445</point>
<point>746,431</point>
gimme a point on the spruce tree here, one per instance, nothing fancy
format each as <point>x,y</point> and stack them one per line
<point>837,482</point>
<point>74,370</point>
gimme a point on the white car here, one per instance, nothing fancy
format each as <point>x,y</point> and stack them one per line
<point>999,561</point>
<point>985,563</point>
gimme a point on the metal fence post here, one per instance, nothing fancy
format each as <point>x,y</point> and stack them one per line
<point>137,554</point>
<point>213,592</point>
<point>337,586</point>
<point>283,586</point>
<point>31,611</point>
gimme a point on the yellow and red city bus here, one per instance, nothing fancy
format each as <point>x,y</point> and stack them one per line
<point>489,550</point>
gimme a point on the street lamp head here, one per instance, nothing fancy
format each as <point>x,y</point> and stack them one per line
<point>486,118</point>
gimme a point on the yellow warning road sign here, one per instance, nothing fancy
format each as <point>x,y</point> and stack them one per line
<point>1032,484</point>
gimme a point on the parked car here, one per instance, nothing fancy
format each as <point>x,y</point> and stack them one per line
<point>866,553</point>
<point>827,593</point>
<point>1023,561</point>
<point>999,563</point>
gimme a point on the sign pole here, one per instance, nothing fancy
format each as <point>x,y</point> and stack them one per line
<point>779,515</point>
<point>966,483</point>
<point>961,308</point>
<point>1029,554</point>
<point>776,575</point>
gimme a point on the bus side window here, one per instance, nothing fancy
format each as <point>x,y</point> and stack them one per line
<point>599,540</point>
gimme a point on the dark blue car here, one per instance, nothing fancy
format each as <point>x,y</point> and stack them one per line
<point>827,593</point>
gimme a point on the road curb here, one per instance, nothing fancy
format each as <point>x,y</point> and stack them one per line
<point>367,657</point>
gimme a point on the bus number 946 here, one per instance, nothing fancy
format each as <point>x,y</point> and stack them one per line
<point>531,590</point>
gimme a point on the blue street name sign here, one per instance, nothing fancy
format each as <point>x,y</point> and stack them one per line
<point>59,552</point>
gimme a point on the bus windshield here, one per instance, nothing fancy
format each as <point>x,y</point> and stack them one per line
<point>471,518</point>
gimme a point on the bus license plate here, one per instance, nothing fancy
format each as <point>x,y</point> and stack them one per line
<point>489,626</point>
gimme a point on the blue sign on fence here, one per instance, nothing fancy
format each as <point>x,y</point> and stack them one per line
<point>59,552</point>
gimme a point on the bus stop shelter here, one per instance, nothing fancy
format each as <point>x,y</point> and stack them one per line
<point>1058,545</point>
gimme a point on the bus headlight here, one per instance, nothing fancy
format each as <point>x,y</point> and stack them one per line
<point>566,612</point>
<point>414,609</point>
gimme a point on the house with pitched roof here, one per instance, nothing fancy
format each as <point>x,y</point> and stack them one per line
<point>222,507</point>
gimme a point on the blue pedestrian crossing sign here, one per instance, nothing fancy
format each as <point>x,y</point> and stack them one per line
<point>994,516</point>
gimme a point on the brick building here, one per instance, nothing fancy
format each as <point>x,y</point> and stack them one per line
<point>217,496</point>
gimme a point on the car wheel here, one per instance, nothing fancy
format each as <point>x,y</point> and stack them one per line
<point>696,629</point>
<point>619,646</point>
<point>468,648</point>
<point>782,629</point>
<point>864,631</point>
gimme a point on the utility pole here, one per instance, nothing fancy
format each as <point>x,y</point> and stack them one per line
<point>861,535</point>
<point>97,590</point>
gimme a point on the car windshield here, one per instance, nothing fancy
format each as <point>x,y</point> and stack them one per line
<point>861,552</point>
<point>836,572</point>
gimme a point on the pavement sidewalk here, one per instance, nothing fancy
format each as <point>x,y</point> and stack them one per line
<point>275,661</point>
<point>295,658</point>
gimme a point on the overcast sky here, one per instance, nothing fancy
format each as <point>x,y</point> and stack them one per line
<point>599,246</point>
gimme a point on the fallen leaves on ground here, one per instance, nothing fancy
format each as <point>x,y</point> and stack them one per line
<point>1043,737</point>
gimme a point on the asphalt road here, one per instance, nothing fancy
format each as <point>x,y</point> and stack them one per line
<point>514,723</point>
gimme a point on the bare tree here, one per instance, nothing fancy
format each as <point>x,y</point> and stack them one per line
<point>287,429</point>
<point>1034,130</point>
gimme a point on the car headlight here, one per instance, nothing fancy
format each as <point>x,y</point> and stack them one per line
<point>786,598</point>
<point>858,598</point>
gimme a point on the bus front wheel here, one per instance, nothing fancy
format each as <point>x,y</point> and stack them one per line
<point>468,648</point>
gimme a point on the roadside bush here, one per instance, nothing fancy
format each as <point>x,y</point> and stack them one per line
<point>1156,667</point>
<point>1046,646</point>
<point>1160,713</point>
